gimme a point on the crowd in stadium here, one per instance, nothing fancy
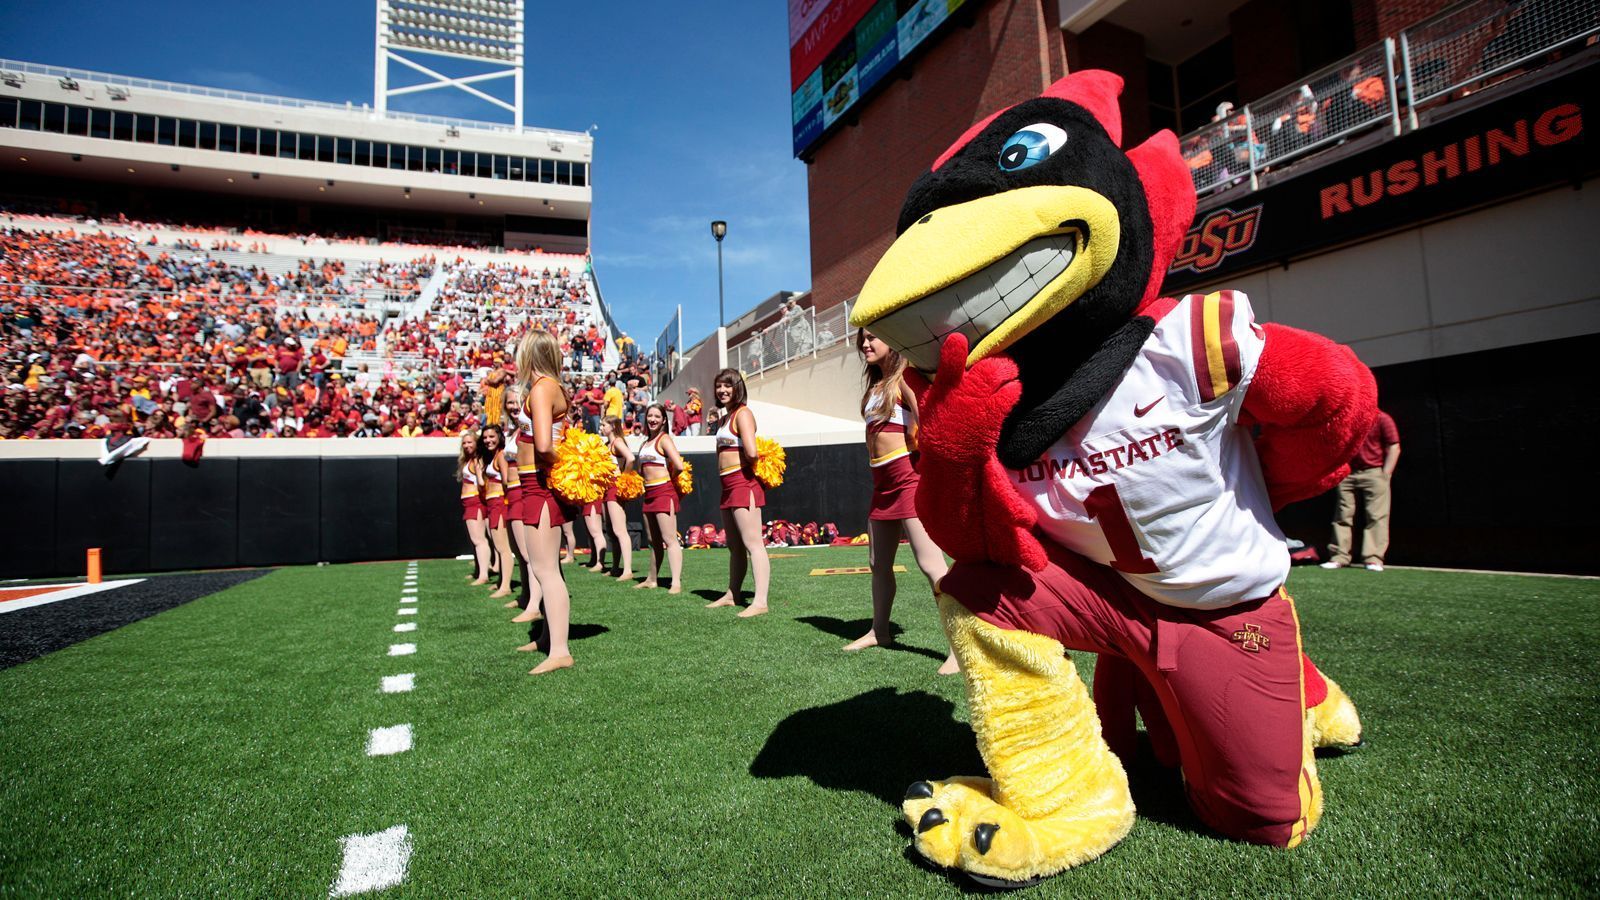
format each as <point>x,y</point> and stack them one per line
<point>103,335</point>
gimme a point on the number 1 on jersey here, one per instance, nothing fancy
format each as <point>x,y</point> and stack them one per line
<point>1105,506</point>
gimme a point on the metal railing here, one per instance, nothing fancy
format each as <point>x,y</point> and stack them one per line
<point>18,67</point>
<point>1450,52</point>
<point>790,337</point>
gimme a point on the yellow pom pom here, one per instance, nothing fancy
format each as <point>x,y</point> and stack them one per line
<point>584,467</point>
<point>771,463</point>
<point>685,481</point>
<point>630,486</point>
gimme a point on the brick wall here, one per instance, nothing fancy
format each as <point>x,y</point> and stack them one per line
<point>1117,49</point>
<point>1378,19</point>
<point>998,53</point>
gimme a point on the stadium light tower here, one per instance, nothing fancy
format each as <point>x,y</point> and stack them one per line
<point>719,230</point>
<point>482,31</point>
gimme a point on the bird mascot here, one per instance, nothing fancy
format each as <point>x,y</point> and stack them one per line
<point>1103,464</point>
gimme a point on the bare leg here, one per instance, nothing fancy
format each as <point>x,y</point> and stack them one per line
<point>571,554</point>
<point>619,528</point>
<point>557,604</point>
<point>883,542</point>
<point>519,546</point>
<point>667,533</point>
<point>502,548</point>
<point>478,530</point>
<point>750,531</point>
<point>738,561</point>
<point>930,559</point>
<point>595,522</point>
<point>652,533</point>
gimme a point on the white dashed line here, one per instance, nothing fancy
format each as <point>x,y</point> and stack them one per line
<point>408,599</point>
<point>389,741</point>
<point>406,611</point>
<point>399,684</point>
<point>406,626</point>
<point>409,590</point>
<point>402,649</point>
<point>372,862</point>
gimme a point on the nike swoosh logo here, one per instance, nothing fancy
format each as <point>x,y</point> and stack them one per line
<point>1139,411</point>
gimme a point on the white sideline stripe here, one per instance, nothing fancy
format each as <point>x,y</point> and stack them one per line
<point>408,599</point>
<point>399,684</point>
<point>1484,572</point>
<point>372,862</point>
<point>406,626</point>
<point>389,741</point>
<point>67,592</point>
<point>407,610</point>
<point>409,590</point>
<point>402,649</point>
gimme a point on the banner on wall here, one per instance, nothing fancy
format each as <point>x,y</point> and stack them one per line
<point>841,49</point>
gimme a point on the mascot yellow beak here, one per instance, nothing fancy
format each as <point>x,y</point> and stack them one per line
<point>992,268</point>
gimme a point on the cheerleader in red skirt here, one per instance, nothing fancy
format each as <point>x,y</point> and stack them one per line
<point>608,509</point>
<point>659,465</point>
<point>742,494</point>
<point>491,450</point>
<point>890,408</point>
<point>514,505</point>
<point>472,511</point>
<point>544,402</point>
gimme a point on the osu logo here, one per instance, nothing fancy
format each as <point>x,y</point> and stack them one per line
<point>1218,236</point>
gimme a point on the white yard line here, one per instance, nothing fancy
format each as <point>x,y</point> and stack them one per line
<point>67,592</point>
<point>402,649</point>
<point>389,741</point>
<point>372,862</point>
<point>406,626</point>
<point>399,684</point>
<point>408,599</point>
<point>406,611</point>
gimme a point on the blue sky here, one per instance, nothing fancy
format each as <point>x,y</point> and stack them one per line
<point>691,99</point>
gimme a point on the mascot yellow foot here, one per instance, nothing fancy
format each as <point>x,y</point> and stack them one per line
<point>1058,796</point>
<point>1334,722</point>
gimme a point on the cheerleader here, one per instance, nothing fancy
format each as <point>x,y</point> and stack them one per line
<point>890,408</point>
<point>742,494</point>
<point>545,403</point>
<point>467,469</point>
<point>491,452</point>
<point>596,515</point>
<point>514,504</point>
<point>569,532</point>
<point>659,465</point>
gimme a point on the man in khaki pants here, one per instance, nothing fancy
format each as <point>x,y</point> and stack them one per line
<point>1370,472</point>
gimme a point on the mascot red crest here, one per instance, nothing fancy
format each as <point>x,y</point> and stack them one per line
<point>1103,464</point>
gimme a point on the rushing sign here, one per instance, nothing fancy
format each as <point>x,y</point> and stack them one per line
<point>840,49</point>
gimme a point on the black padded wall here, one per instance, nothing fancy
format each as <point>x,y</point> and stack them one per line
<point>428,510</point>
<point>27,516</point>
<point>358,509</point>
<point>280,511</point>
<point>194,514</point>
<point>103,507</point>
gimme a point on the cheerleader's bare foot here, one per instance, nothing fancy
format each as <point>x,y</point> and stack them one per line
<point>529,615</point>
<point>511,605</point>
<point>625,576</point>
<point>481,581</point>
<point>952,666</point>
<point>724,600</point>
<point>751,611</point>
<point>870,639</point>
<point>529,647</point>
<point>551,664</point>
<point>675,589</point>
<point>645,584</point>
<point>503,592</point>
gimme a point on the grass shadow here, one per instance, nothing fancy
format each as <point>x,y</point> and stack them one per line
<point>878,743</point>
<point>850,629</point>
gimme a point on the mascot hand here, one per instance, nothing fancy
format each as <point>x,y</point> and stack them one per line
<point>966,501</point>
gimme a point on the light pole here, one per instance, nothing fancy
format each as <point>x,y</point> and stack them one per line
<point>719,230</point>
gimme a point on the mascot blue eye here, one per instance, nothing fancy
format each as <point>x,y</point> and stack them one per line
<point>1030,146</point>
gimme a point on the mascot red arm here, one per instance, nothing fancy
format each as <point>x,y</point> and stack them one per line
<point>1025,280</point>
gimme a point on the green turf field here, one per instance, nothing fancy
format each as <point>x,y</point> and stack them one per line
<point>219,748</point>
